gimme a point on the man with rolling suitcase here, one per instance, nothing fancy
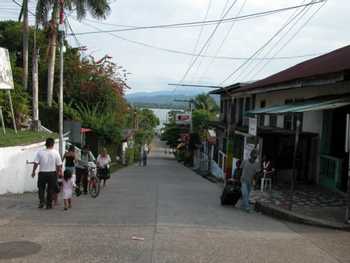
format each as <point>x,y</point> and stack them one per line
<point>249,170</point>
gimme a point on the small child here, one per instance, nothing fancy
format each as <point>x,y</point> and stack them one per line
<point>68,185</point>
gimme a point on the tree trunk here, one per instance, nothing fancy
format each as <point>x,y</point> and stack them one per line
<point>25,44</point>
<point>53,35</point>
<point>35,122</point>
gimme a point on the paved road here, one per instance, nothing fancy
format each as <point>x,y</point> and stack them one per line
<point>176,212</point>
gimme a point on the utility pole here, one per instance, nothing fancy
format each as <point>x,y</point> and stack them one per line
<point>35,88</point>
<point>61,33</point>
<point>347,150</point>
<point>295,153</point>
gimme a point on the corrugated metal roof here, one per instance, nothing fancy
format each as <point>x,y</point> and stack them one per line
<point>308,105</point>
<point>229,88</point>
<point>333,62</point>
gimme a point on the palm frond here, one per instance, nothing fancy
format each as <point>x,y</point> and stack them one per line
<point>43,9</point>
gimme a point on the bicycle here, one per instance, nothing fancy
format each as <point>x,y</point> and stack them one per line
<point>93,181</point>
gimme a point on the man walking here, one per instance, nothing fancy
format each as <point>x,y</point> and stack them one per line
<point>249,170</point>
<point>145,153</point>
<point>50,164</point>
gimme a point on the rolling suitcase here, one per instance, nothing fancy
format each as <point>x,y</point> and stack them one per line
<point>231,193</point>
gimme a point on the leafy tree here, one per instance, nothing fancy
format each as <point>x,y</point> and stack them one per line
<point>103,123</point>
<point>205,102</point>
<point>147,119</point>
<point>147,122</point>
<point>171,134</point>
<point>200,121</point>
<point>49,9</point>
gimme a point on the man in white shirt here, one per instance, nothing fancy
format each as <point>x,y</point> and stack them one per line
<point>50,163</point>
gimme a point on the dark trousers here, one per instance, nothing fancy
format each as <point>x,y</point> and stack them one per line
<point>82,178</point>
<point>49,179</point>
<point>103,173</point>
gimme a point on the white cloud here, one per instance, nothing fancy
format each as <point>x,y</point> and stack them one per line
<point>153,69</point>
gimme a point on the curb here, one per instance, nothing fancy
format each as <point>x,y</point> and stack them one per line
<point>277,212</point>
<point>208,177</point>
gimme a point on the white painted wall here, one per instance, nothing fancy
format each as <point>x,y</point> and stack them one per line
<point>313,121</point>
<point>15,174</point>
<point>280,121</point>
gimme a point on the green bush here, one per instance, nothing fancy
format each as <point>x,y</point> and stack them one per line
<point>130,156</point>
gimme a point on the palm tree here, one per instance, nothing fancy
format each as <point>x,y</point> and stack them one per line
<point>49,9</point>
<point>24,14</point>
<point>205,102</point>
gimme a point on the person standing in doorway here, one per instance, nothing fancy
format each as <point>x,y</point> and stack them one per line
<point>249,170</point>
<point>50,165</point>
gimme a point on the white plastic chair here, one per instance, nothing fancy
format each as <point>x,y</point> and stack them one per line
<point>266,181</point>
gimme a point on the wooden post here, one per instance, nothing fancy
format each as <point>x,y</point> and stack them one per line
<point>347,149</point>
<point>2,121</point>
<point>293,176</point>
<point>12,112</point>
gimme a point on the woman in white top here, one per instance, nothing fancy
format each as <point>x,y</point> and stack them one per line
<point>103,163</point>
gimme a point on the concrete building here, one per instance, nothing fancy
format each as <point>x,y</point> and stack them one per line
<point>314,93</point>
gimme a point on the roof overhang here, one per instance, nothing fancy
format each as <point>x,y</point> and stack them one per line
<point>304,106</point>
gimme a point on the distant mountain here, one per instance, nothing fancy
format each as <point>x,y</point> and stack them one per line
<point>163,98</point>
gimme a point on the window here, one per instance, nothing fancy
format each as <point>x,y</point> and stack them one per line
<point>262,117</point>
<point>288,121</point>
<point>233,111</point>
<point>247,104</point>
<point>225,110</point>
<point>288,117</point>
<point>253,102</point>
<point>297,116</point>
<point>273,121</point>
<point>240,110</point>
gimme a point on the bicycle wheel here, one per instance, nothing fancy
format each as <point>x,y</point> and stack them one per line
<point>94,187</point>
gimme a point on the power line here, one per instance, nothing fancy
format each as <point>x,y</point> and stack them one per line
<point>261,48</point>
<point>296,19</point>
<point>207,42</point>
<point>202,27</point>
<point>75,37</point>
<point>291,38</point>
<point>185,53</point>
<point>207,47</point>
<point>223,42</point>
<point>20,5</point>
<point>199,35</point>
<point>199,23</point>
<point>108,24</point>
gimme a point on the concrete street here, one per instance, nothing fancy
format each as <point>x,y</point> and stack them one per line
<point>177,213</point>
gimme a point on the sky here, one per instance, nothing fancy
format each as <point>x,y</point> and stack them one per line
<point>153,69</point>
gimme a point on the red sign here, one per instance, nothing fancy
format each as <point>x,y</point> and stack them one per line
<point>185,137</point>
<point>183,117</point>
